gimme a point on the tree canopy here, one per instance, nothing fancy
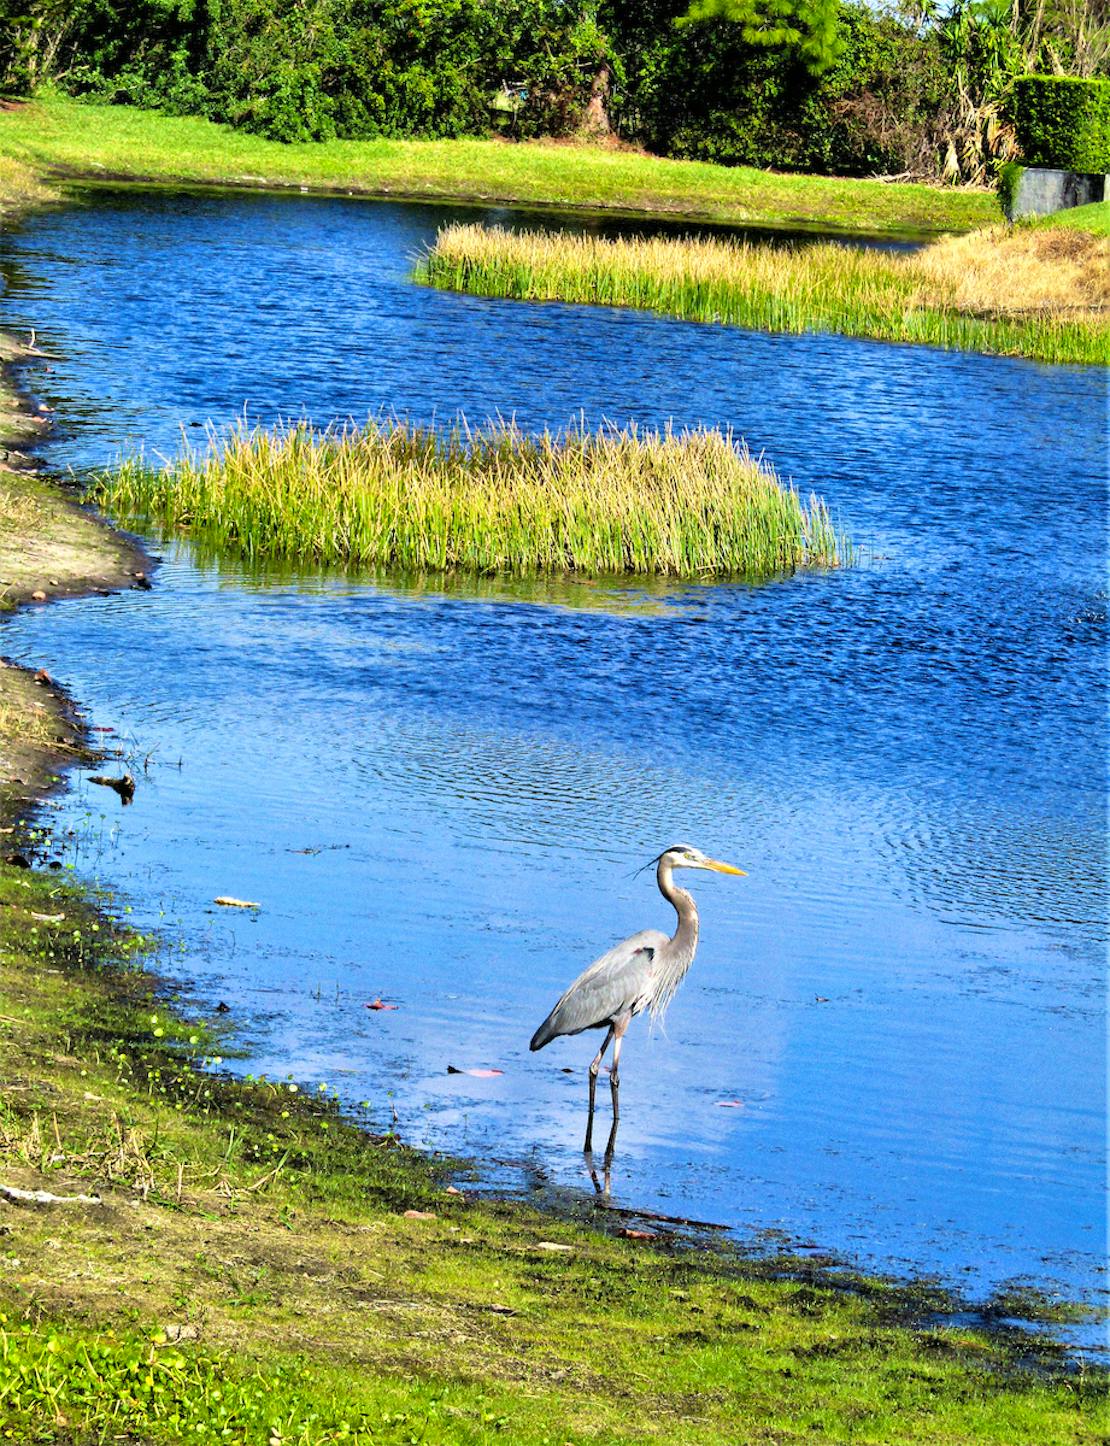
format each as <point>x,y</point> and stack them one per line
<point>808,26</point>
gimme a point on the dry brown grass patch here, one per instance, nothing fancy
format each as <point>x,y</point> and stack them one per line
<point>1002,271</point>
<point>29,716</point>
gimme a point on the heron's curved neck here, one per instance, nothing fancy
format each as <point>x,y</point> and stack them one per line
<point>685,908</point>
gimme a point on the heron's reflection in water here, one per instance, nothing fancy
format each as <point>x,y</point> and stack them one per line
<point>603,1183</point>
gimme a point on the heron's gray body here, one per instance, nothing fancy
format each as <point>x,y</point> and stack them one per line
<point>620,982</point>
<point>641,972</point>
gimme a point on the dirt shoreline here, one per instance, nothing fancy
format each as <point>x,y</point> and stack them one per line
<point>51,546</point>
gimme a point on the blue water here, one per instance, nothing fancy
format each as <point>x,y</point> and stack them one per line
<point>907,993</point>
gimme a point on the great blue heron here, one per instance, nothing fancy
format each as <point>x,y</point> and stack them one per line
<point>642,972</point>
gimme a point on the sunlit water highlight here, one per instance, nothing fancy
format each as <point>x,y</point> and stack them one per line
<point>439,794</point>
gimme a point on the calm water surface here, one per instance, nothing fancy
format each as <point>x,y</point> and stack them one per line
<point>439,796</point>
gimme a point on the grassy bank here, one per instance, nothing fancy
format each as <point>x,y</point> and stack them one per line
<point>20,186</point>
<point>494,500</point>
<point>50,546</point>
<point>1033,292</point>
<point>1094,218</point>
<point>246,1269</point>
<point>57,137</point>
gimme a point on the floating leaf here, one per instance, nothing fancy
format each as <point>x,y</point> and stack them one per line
<point>229,903</point>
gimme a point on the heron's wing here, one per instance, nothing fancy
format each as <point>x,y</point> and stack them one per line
<point>617,983</point>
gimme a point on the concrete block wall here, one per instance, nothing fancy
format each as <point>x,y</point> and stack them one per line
<point>1041,191</point>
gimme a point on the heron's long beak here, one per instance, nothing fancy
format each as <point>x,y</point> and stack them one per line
<point>720,868</point>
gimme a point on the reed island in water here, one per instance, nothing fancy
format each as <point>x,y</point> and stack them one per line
<point>492,500</point>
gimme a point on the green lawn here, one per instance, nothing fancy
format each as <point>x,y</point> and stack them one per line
<point>60,137</point>
<point>1094,218</point>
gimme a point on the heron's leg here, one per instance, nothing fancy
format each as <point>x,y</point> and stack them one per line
<point>603,1184</point>
<point>615,1080</point>
<point>595,1065</point>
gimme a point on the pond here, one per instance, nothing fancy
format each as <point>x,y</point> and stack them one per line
<point>891,1044</point>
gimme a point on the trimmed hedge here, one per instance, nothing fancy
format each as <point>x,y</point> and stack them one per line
<point>1063,121</point>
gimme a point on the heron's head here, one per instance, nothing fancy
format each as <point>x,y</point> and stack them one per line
<point>686,856</point>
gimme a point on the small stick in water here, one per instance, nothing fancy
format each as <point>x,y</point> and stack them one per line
<point>124,786</point>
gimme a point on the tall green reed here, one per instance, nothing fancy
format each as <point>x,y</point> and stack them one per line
<point>494,499</point>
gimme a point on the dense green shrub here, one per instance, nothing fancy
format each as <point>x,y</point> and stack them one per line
<point>896,93</point>
<point>1063,121</point>
<point>1009,179</point>
<point>296,70</point>
<point>702,93</point>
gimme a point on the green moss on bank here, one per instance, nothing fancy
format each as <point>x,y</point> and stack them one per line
<point>250,1272</point>
<point>58,138</point>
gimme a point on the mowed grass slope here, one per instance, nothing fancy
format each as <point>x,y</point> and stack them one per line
<point>493,500</point>
<point>1036,292</point>
<point>251,1275</point>
<point>1094,218</point>
<point>62,138</point>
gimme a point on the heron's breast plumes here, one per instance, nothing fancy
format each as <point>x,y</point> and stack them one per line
<point>671,966</point>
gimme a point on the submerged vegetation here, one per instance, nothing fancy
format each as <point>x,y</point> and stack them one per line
<point>1035,292</point>
<point>493,500</point>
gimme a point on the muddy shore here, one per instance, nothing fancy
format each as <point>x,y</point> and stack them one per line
<point>51,547</point>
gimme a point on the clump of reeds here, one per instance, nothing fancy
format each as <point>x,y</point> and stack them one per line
<point>494,500</point>
<point>919,297</point>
